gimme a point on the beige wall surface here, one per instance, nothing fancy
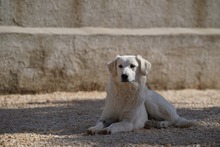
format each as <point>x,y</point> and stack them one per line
<point>75,59</point>
<point>111,13</point>
<point>54,45</point>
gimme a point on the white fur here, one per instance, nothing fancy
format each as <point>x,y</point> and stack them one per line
<point>129,101</point>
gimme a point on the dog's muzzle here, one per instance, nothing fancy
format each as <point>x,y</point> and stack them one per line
<point>124,78</point>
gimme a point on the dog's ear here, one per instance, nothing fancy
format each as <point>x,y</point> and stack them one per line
<point>112,66</point>
<point>143,64</point>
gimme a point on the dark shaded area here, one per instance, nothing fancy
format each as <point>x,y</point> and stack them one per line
<point>61,120</point>
<point>74,117</point>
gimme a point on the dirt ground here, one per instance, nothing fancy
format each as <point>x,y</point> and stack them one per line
<point>61,119</point>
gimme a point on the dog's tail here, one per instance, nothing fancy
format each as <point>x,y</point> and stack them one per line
<point>184,123</point>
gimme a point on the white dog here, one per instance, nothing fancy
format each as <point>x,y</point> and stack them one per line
<point>129,101</point>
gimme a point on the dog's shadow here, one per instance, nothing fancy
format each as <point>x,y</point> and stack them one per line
<point>71,118</point>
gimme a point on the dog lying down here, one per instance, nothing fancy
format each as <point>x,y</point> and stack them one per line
<point>129,102</point>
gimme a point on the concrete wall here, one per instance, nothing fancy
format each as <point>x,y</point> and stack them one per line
<point>75,59</point>
<point>111,13</point>
<point>50,45</point>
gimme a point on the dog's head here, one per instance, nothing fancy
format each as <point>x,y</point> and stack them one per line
<point>128,69</point>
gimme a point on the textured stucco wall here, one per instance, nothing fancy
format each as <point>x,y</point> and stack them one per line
<point>111,13</point>
<point>36,62</point>
<point>65,45</point>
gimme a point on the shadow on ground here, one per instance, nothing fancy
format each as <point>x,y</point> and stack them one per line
<point>70,119</point>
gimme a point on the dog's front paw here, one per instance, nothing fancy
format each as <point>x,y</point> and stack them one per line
<point>163,124</point>
<point>92,131</point>
<point>105,131</point>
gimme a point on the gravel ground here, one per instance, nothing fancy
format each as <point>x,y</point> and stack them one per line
<point>61,119</point>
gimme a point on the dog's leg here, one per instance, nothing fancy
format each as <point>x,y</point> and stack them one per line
<point>101,124</point>
<point>95,129</point>
<point>158,124</point>
<point>123,126</point>
<point>180,122</point>
<point>184,123</point>
<point>165,124</point>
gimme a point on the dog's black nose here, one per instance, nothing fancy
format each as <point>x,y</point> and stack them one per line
<point>124,77</point>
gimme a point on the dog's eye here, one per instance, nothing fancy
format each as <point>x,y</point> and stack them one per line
<point>132,66</point>
<point>120,66</point>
